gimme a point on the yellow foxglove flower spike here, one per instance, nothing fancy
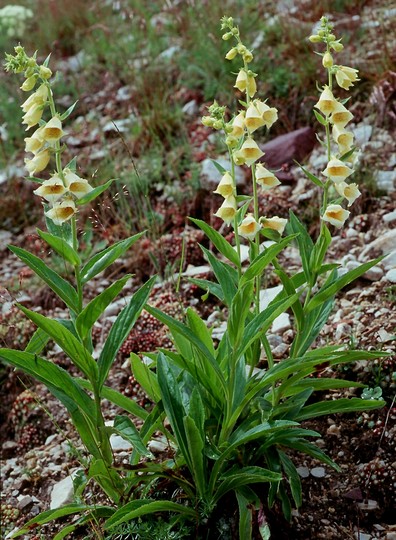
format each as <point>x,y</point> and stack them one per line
<point>265,178</point>
<point>250,151</point>
<point>275,223</point>
<point>249,227</point>
<point>327,102</point>
<point>336,215</point>
<point>337,171</point>
<point>227,210</point>
<point>51,190</point>
<point>61,212</point>
<point>76,185</point>
<point>38,163</point>
<point>349,191</point>
<point>226,186</point>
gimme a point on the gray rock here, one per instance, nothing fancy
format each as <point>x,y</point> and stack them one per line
<point>281,324</point>
<point>62,493</point>
<point>303,472</point>
<point>190,108</point>
<point>386,181</point>
<point>385,244</point>
<point>391,275</point>
<point>362,134</point>
<point>318,472</point>
<point>374,274</point>
<point>389,218</point>
<point>24,502</point>
<point>274,340</point>
<point>118,443</point>
<point>210,176</point>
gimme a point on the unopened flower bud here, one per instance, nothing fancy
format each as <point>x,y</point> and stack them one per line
<point>231,53</point>
<point>231,141</point>
<point>29,83</point>
<point>315,38</point>
<point>207,121</point>
<point>217,124</point>
<point>327,60</point>
<point>336,46</point>
<point>227,36</point>
<point>45,72</point>
<point>248,57</point>
<point>331,37</point>
<point>321,33</point>
<point>241,48</point>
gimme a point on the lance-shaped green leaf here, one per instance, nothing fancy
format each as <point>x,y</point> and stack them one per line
<point>100,261</point>
<point>311,176</point>
<point>293,477</point>
<point>342,405</point>
<point>235,479</point>
<point>305,244</point>
<point>146,378</point>
<point>108,479</point>
<point>79,355</point>
<point>68,112</point>
<point>121,328</point>
<point>93,193</point>
<point>62,247</point>
<point>195,444</point>
<point>142,507</point>
<point>124,427</point>
<point>94,309</point>
<point>329,291</point>
<point>218,241</point>
<point>37,342</point>
<point>59,285</point>
<point>226,275</point>
<point>262,261</point>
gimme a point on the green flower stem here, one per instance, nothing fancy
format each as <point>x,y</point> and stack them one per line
<point>58,161</point>
<point>236,233</point>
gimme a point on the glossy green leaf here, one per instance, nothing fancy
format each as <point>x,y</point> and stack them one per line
<point>218,241</point>
<point>321,119</point>
<point>327,292</point>
<point>292,476</point>
<point>142,507</point>
<point>100,261</point>
<point>234,479</point>
<point>245,516</point>
<point>37,342</point>
<point>239,309</point>
<point>79,355</point>
<point>226,275</point>
<point>68,112</point>
<point>121,329</point>
<point>342,405</point>
<point>108,479</point>
<point>94,309</point>
<point>146,378</point>
<point>195,445</point>
<point>63,248</point>
<point>311,176</point>
<point>124,427</point>
<point>59,285</point>
<point>94,193</point>
<point>304,242</point>
<point>209,286</point>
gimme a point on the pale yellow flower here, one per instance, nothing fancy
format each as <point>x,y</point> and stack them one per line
<point>226,186</point>
<point>268,114</point>
<point>337,171</point>
<point>38,163</point>
<point>327,60</point>
<point>238,125</point>
<point>254,119</point>
<point>336,215</point>
<point>327,102</point>
<point>61,212</point>
<point>32,116</point>
<point>265,178</point>
<point>342,137</point>
<point>29,83</point>
<point>349,191</point>
<point>275,223</point>
<point>340,115</point>
<point>51,190</point>
<point>76,185</point>
<point>246,83</point>
<point>249,227</point>
<point>38,98</point>
<point>250,151</point>
<point>231,53</point>
<point>52,131</point>
<point>227,210</point>
<point>35,142</point>
<point>346,76</point>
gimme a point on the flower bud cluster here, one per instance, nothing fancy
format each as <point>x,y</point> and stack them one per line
<point>335,119</point>
<point>242,147</point>
<point>64,187</point>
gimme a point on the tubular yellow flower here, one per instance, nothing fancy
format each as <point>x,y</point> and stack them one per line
<point>51,190</point>
<point>226,186</point>
<point>340,115</point>
<point>265,178</point>
<point>231,53</point>
<point>346,76</point>
<point>29,83</point>
<point>32,116</point>
<point>342,137</point>
<point>336,215</point>
<point>327,102</point>
<point>38,163</point>
<point>249,227</point>
<point>38,98</point>
<point>245,83</point>
<point>227,210</point>
<point>275,223</point>
<point>52,131</point>
<point>254,119</point>
<point>35,142</point>
<point>61,212</point>
<point>268,114</point>
<point>337,171</point>
<point>76,185</point>
<point>349,191</point>
<point>238,125</point>
<point>250,151</point>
